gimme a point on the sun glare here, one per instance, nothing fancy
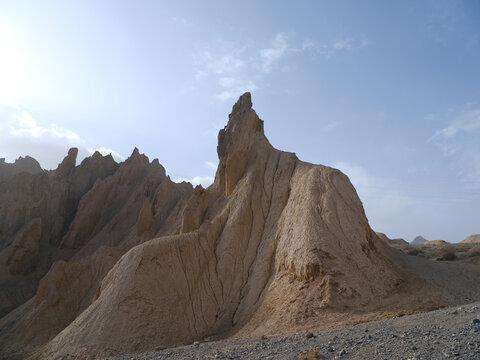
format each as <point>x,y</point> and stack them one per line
<point>14,81</point>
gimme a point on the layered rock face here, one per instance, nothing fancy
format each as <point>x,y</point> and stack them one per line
<point>68,228</point>
<point>273,245</point>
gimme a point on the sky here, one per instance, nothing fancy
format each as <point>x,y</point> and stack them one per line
<point>388,92</point>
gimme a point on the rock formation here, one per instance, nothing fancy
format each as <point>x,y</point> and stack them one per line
<point>472,239</point>
<point>273,245</point>
<point>22,164</point>
<point>398,242</point>
<point>68,228</point>
<point>418,240</point>
<point>35,212</point>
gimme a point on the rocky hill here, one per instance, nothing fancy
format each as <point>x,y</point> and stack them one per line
<point>472,239</point>
<point>418,240</point>
<point>22,164</point>
<point>274,245</point>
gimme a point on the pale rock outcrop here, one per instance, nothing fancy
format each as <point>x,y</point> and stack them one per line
<point>472,239</point>
<point>273,245</point>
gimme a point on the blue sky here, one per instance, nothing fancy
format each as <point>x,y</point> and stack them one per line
<point>388,92</point>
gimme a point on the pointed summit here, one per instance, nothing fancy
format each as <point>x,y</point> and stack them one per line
<point>239,142</point>
<point>243,104</point>
<point>69,162</point>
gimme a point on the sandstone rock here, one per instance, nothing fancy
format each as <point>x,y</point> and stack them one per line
<point>472,239</point>
<point>51,200</point>
<point>273,245</point>
<point>112,214</point>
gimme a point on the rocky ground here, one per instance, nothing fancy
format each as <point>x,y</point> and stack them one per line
<point>452,332</point>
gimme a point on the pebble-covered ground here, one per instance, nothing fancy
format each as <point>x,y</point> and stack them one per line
<point>447,333</point>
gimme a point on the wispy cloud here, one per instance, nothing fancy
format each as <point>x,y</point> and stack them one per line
<point>236,68</point>
<point>235,87</point>
<point>228,62</point>
<point>340,45</point>
<point>106,151</point>
<point>270,55</point>
<point>466,121</point>
<point>211,165</point>
<point>459,141</point>
<point>205,181</point>
<point>21,134</point>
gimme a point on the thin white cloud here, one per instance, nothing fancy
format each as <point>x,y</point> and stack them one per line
<point>21,134</point>
<point>459,142</point>
<point>228,62</point>
<point>236,68</point>
<point>205,181</point>
<point>351,44</point>
<point>237,90</point>
<point>211,165</point>
<point>269,56</point>
<point>106,151</point>
<point>467,121</point>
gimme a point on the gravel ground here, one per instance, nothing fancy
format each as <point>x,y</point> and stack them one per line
<point>447,333</point>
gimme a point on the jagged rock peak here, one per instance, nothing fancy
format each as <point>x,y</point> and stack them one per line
<point>242,127</point>
<point>243,104</point>
<point>137,157</point>
<point>69,162</point>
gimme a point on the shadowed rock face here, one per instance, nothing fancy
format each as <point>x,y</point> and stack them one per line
<point>25,164</point>
<point>273,245</point>
<point>68,227</point>
<point>35,213</point>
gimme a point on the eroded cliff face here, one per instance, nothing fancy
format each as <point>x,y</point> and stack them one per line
<point>74,224</point>
<point>274,245</point>
<point>35,212</point>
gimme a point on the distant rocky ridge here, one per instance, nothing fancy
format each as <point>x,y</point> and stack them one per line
<point>25,164</point>
<point>127,261</point>
<point>418,240</point>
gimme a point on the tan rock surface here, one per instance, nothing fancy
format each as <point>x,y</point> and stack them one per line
<point>472,239</point>
<point>50,200</point>
<point>105,224</point>
<point>274,245</point>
